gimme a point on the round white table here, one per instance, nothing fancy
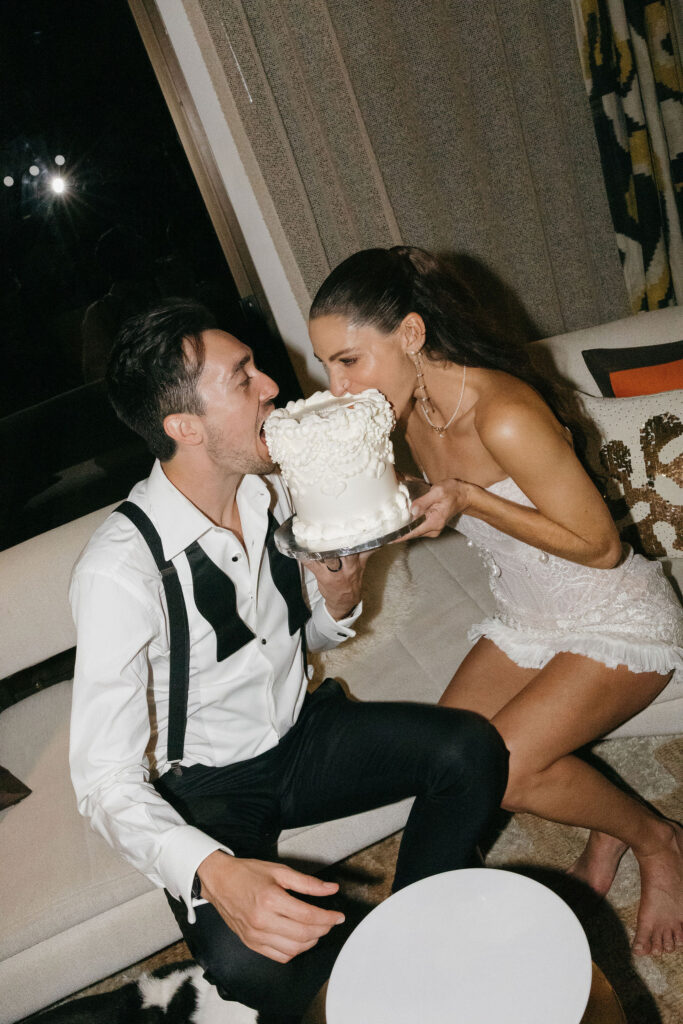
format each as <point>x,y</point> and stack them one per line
<point>477,946</point>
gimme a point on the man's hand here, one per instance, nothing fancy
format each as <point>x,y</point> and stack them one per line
<point>339,582</point>
<point>252,898</point>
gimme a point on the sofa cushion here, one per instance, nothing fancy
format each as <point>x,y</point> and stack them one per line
<point>57,872</point>
<point>635,448</point>
<point>637,370</point>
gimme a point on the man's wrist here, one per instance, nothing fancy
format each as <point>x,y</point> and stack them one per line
<point>338,616</point>
<point>347,614</point>
<point>218,860</point>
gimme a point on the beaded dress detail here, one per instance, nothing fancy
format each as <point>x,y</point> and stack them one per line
<point>628,615</point>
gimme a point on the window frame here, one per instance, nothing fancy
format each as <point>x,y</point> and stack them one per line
<point>199,154</point>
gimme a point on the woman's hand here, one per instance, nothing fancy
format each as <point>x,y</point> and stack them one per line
<point>441,502</point>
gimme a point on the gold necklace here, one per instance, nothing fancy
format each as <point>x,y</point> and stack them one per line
<point>425,400</point>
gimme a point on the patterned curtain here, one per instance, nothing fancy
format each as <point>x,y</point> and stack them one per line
<point>631,64</point>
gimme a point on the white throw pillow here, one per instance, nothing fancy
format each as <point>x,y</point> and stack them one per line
<point>634,447</point>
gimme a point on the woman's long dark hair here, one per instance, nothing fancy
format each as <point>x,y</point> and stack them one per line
<point>379,287</point>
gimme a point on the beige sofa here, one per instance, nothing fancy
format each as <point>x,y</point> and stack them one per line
<point>72,911</point>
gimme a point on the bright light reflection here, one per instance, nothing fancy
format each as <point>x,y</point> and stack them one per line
<point>34,170</point>
<point>8,181</point>
<point>59,160</point>
<point>58,185</point>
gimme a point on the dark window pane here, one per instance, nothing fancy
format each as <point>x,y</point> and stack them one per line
<point>101,216</point>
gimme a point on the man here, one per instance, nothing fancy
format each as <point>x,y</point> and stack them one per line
<point>191,755</point>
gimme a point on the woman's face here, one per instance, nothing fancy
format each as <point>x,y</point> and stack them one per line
<point>360,357</point>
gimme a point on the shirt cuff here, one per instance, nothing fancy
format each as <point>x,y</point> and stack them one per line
<point>339,629</point>
<point>182,854</point>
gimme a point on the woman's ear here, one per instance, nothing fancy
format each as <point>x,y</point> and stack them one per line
<point>184,428</point>
<point>412,332</point>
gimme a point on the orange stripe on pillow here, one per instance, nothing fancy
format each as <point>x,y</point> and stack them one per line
<point>647,380</point>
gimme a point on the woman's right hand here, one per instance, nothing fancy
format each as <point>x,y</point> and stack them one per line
<point>441,502</point>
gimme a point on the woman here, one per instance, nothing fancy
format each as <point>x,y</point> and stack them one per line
<point>587,633</point>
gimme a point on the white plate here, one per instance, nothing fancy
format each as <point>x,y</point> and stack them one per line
<point>477,946</point>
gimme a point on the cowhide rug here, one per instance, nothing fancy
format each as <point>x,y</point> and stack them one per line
<point>174,994</point>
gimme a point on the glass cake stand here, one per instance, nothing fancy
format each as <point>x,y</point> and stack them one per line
<point>287,543</point>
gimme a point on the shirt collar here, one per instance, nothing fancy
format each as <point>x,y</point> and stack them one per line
<point>179,522</point>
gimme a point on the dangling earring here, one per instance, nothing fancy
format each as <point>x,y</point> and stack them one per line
<point>424,399</point>
<point>421,389</point>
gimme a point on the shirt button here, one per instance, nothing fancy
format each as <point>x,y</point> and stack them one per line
<point>263,640</point>
<point>235,558</point>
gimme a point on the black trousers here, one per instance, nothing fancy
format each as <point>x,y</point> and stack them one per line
<point>341,757</point>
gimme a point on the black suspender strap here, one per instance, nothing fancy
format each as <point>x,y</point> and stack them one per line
<point>216,601</point>
<point>179,632</point>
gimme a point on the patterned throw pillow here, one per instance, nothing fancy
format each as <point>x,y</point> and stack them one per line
<point>637,369</point>
<point>634,447</point>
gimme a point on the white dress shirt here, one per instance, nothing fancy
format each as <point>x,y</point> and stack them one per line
<point>237,708</point>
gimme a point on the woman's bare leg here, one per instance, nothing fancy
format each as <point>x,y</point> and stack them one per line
<point>597,864</point>
<point>558,709</point>
<point>486,681</point>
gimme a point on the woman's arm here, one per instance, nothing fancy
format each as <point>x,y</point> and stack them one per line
<point>570,518</point>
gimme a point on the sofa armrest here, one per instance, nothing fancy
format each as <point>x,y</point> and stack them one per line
<point>35,617</point>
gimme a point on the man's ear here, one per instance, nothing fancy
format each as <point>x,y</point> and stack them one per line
<point>412,332</point>
<point>184,428</point>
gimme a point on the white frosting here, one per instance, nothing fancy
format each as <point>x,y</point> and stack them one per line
<point>337,460</point>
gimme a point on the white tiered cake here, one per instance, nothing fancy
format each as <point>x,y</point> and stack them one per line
<point>337,460</point>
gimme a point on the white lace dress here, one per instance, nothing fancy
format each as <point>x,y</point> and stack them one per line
<point>628,615</point>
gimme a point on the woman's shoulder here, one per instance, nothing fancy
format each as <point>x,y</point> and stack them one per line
<point>509,409</point>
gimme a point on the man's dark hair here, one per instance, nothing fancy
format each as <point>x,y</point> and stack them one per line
<point>154,367</point>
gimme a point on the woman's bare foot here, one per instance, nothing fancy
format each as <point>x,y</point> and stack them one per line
<point>598,863</point>
<point>660,916</point>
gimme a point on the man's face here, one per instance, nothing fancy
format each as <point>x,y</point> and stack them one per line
<point>237,400</point>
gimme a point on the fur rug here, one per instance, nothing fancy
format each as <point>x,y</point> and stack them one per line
<point>385,608</point>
